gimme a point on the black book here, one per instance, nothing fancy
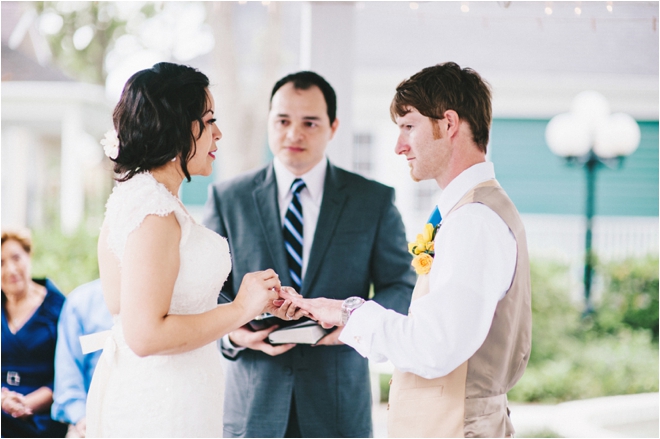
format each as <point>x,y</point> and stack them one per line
<point>302,331</point>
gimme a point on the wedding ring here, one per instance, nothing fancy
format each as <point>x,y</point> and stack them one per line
<point>289,317</point>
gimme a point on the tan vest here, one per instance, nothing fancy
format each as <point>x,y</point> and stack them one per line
<point>471,400</point>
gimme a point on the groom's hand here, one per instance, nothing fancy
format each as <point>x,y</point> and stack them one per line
<point>256,340</point>
<point>325,311</point>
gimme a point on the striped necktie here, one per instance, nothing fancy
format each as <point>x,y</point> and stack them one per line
<point>293,234</point>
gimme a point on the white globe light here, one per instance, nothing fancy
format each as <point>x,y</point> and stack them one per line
<point>567,136</point>
<point>591,108</point>
<point>619,136</point>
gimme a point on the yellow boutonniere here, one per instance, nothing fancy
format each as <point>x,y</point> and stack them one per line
<point>423,249</point>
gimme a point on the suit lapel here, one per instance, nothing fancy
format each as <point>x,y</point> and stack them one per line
<point>334,198</point>
<point>266,204</point>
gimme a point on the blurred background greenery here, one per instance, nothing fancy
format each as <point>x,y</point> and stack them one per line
<point>69,261</point>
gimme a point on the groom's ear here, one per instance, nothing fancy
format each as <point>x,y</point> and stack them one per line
<point>453,121</point>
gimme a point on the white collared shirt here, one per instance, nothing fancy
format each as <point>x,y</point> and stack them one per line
<point>473,267</point>
<point>310,198</point>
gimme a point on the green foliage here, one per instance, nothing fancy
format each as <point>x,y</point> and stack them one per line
<point>69,261</point>
<point>107,20</point>
<point>574,358</point>
<point>631,297</point>
<point>602,366</point>
<point>384,387</point>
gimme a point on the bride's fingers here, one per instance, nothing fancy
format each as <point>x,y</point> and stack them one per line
<point>269,274</point>
<point>272,284</point>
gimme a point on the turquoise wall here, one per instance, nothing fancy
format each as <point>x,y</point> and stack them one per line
<point>540,182</point>
<point>195,192</point>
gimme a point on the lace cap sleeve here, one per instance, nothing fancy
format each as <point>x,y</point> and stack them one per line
<point>131,202</point>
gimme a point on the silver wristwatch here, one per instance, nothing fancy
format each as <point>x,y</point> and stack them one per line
<point>348,306</point>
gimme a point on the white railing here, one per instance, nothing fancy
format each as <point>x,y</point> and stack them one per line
<point>614,238</point>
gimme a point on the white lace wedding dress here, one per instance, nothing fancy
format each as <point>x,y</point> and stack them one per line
<point>161,395</point>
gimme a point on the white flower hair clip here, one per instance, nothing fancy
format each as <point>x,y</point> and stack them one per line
<point>111,144</point>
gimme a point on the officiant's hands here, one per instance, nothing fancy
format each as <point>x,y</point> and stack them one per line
<point>256,340</point>
<point>332,339</point>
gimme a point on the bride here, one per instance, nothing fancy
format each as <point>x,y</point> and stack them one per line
<point>160,373</point>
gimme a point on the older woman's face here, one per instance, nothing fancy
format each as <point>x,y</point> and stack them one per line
<point>16,267</point>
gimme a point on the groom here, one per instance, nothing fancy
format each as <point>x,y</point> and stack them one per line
<point>328,233</point>
<point>467,337</point>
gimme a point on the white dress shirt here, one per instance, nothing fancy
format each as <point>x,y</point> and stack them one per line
<point>473,267</point>
<point>310,198</point>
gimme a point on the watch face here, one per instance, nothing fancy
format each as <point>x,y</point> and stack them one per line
<point>353,301</point>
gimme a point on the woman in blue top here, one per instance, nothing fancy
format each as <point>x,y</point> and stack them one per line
<point>30,310</point>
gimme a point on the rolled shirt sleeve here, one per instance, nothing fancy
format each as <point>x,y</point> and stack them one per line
<point>83,313</point>
<point>69,395</point>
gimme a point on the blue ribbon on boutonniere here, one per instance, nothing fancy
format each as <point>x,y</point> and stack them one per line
<point>435,218</point>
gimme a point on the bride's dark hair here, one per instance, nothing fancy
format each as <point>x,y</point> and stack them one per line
<point>155,115</point>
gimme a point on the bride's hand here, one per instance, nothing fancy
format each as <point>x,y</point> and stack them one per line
<point>257,292</point>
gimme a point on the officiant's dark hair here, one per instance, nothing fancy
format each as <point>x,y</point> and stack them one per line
<point>304,81</point>
<point>154,118</point>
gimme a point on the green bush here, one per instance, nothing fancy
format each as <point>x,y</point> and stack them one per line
<point>630,297</point>
<point>613,352</point>
<point>608,365</point>
<point>69,261</point>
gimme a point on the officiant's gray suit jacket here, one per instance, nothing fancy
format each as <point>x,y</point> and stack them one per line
<point>359,241</point>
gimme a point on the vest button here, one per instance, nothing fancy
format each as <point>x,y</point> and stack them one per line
<point>390,381</point>
<point>388,406</point>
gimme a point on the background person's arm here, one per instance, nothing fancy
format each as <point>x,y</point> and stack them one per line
<point>69,393</point>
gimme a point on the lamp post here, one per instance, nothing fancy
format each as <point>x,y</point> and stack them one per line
<point>590,137</point>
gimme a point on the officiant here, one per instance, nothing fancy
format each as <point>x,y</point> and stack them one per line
<point>327,232</point>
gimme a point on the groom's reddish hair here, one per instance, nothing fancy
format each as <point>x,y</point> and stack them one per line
<point>442,87</point>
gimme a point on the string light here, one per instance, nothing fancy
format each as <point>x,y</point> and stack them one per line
<point>578,10</point>
<point>465,7</point>
<point>265,3</point>
<point>548,10</point>
<point>609,7</point>
<point>414,5</point>
<point>242,2</point>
